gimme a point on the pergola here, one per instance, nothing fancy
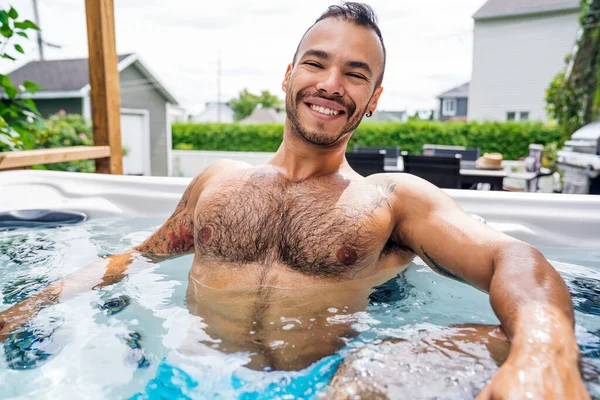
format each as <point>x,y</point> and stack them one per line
<point>105,102</point>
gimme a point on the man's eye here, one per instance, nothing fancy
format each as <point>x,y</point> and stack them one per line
<point>313,64</point>
<point>357,76</point>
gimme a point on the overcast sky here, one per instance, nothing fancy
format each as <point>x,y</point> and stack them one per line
<point>429,43</point>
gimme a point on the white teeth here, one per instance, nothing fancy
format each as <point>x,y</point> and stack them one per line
<point>323,110</point>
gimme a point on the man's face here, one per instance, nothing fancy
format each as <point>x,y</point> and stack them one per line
<point>333,83</point>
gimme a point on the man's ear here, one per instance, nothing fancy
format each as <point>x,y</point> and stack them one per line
<point>288,72</point>
<point>375,99</point>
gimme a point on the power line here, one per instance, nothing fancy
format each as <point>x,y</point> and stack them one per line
<point>40,41</point>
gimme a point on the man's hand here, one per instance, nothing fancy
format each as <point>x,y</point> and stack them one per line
<point>17,316</point>
<point>535,375</point>
<point>543,362</point>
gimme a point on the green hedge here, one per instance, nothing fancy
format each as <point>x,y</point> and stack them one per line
<point>509,138</point>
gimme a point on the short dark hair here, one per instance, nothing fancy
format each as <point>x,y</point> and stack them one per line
<point>357,13</point>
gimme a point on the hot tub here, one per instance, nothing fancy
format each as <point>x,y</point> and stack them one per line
<point>125,340</point>
<point>539,219</point>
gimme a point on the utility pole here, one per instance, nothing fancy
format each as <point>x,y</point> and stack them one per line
<point>219,87</point>
<point>40,41</point>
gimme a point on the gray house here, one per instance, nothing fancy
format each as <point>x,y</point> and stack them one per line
<point>518,47</point>
<point>146,106</point>
<point>387,116</point>
<point>215,112</point>
<point>265,116</point>
<point>454,104</point>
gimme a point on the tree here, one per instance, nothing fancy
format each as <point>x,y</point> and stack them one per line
<point>247,102</point>
<point>19,117</point>
<point>573,98</point>
<point>415,117</point>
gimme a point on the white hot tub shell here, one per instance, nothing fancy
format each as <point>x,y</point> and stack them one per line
<point>556,220</point>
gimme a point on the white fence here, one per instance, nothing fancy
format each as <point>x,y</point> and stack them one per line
<point>189,162</point>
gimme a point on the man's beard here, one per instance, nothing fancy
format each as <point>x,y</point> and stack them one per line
<point>317,137</point>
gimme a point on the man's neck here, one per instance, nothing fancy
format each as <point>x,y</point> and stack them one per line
<point>299,159</point>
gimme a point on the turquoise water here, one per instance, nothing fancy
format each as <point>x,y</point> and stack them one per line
<point>126,340</point>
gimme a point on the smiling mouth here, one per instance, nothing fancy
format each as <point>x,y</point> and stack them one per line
<point>326,112</point>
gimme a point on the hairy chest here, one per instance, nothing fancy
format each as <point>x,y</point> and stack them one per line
<point>316,229</point>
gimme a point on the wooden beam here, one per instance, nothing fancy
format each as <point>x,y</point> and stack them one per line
<point>104,83</point>
<point>26,158</point>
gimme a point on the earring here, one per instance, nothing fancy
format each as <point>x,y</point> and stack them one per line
<point>369,114</point>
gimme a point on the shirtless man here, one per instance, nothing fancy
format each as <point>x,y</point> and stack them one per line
<point>305,233</point>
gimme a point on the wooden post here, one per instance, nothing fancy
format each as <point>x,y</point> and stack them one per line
<point>104,83</point>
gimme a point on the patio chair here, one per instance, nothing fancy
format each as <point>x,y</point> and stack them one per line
<point>533,170</point>
<point>443,172</point>
<point>366,164</point>
<point>391,153</point>
<point>468,154</point>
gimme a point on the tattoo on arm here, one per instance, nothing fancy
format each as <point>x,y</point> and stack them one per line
<point>441,270</point>
<point>177,234</point>
<point>384,192</point>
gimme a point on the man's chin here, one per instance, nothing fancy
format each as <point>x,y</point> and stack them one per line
<point>320,139</point>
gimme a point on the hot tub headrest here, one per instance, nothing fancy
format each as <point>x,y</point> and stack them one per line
<point>39,218</point>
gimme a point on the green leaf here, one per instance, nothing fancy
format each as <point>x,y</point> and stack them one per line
<point>8,57</point>
<point>3,17</point>
<point>9,89</point>
<point>23,34</point>
<point>31,87</point>
<point>27,24</point>
<point>6,31</point>
<point>13,13</point>
<point>19,48</point>
<point>31,105</point>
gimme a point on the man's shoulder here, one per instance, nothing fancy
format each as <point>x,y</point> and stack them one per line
<point>223,167</point>
<point>409,192</point>
<point>402,181</point>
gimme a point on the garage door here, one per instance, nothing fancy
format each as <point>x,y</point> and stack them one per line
<point>135,137</point>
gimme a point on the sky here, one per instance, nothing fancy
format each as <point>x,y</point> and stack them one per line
<point>429,43</point>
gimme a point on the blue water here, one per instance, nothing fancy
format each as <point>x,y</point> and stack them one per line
<point>125,341</point>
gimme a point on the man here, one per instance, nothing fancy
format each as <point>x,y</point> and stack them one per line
<point>278,247</point>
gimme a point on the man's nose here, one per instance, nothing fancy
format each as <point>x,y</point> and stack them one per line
<point>331,83</point>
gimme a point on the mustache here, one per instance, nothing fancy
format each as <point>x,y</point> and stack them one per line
<point>349,107</point>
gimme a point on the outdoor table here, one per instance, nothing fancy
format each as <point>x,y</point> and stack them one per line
<point>469,176</point>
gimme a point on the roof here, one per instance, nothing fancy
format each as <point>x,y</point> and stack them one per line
<point>70,78</point>
<point>56,74</point>
<point>211,113</point>
<point>512,8</point>
<point>459,91</point>
<point>265,116</point>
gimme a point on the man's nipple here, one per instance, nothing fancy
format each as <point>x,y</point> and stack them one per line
<point>346,255</point>
<point>204,235</point>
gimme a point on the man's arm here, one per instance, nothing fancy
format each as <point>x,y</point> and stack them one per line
<point>527,294</point>
<point>175,237</point>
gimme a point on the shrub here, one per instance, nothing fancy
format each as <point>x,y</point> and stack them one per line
<point>510,138</point>
<point>64,130</point>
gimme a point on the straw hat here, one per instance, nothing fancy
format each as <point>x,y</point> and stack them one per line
<point>490,161</point>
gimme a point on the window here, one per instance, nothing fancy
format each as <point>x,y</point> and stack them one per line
<point>517,116</point>
<point>449,107</point>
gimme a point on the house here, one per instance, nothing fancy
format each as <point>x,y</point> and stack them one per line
<point>387,116</point>
<point>518,47</point>
<point>215,112</point>
<point>266,116</point>
<point>146,106</point>
<point>454,104</point>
